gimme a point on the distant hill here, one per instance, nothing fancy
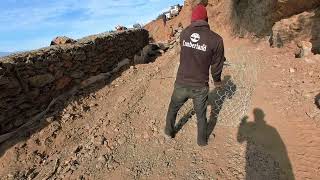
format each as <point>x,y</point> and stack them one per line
<point>4,53</point>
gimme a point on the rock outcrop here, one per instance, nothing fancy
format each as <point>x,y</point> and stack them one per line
<point>62,40</point>
<point>258,17</point>
<point>296,28</point>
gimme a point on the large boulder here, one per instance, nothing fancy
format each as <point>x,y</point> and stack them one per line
<point>62,40</point>
<point>258,16</point>
<point>147,54</point>
<point>295,28</point>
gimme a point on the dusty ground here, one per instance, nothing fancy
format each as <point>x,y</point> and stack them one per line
<point>116,132</point>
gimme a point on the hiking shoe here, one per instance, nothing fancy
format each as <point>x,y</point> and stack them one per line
<point>169,133</point>
<point>202,141</point>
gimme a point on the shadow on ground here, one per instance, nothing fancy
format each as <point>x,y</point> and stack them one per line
<point>216,100</point>
<point>266,153</point>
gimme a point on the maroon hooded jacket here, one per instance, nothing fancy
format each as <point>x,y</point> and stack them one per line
<point>200,49</point>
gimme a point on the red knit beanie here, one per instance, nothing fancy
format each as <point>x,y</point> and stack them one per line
<point>199,13</point>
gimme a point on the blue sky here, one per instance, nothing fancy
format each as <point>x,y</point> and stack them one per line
<point>32,24</point>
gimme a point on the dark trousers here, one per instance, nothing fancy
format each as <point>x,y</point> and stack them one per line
<point>180,95</point>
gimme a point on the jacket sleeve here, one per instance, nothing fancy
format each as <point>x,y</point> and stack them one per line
<point>217,62</point>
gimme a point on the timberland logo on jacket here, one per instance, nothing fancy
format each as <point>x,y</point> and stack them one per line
<point>195,37</point>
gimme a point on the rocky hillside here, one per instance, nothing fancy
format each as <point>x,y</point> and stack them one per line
<point>283,20</point>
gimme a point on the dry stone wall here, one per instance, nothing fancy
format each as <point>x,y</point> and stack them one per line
<point>30,80</point>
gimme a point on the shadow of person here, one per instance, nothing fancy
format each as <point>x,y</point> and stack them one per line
<point>266,154</point>
<point>185,118</point>
<point>216,100</point>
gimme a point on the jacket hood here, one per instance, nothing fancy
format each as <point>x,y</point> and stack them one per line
<point>200,23</point>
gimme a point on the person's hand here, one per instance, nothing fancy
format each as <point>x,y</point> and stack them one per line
<point>218,84</point>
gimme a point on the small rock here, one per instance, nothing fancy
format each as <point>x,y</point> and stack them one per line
<point>310,73</point>
<point>99,165</point>
<point>145,135</point>
<point>309,61</point>
<point>306,47</point>
<point>102,159</point>
<point>41,80</point>
<point>155,129</point>
<point>73,167</point>
<point>122,140</point>
<point>112,164</point>
<point>137,59</point>
<point>78,149</point>
<point>50,119</point>
<point>63,82</point>
<point>94,105</point>
<point>127,169</point>
<point>121,99</point>
<point>62,40</point>
<point>172,176</point>
<point>162,141</point>
<point>299,53</point>
<point>162,51</point>
<point>66,116</point>
<point>77,74</point>
<point>292,70</point>
<point>307,95</point>
<point>67,64</point>
<point>99,140</point>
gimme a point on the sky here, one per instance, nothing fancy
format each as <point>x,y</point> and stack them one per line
<point>32,24</point>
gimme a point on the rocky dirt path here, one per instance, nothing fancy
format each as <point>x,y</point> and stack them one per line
<point>116,132</point>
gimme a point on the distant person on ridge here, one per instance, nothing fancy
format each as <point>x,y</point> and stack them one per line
<point>200,49</point>
<point>164,19</point>
<point>170,33</point>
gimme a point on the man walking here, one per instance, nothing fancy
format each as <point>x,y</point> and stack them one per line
<point>200,49</point>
